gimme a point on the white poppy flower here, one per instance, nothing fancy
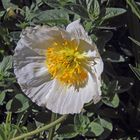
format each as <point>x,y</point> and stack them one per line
<point>59,69</point>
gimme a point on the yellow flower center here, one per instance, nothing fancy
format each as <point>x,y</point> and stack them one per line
<point>66,62</point>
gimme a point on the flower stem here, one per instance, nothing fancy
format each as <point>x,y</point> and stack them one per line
<point>46,127</point>
<point>52,129</point>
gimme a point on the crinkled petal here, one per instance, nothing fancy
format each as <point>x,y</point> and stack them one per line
<point>89,49</point>
<point>95,61</point>
<point>68,100</point>
<point>77,30</point>
<point>97,70</point>
<point>98,67</point>
<point>93,54</point>
<point>31,73</point>
<point>40,38</point>
<point>85,46</point>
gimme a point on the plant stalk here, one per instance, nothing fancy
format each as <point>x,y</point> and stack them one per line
<point>52,129</point>
<point>62,118</point>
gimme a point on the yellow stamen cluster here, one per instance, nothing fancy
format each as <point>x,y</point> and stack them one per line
<point>66,63</point>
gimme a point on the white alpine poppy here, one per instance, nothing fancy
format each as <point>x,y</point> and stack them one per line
<point>59,69</point>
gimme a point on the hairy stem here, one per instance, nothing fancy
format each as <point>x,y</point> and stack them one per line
<point>52,129</point>
<point>46,127</point>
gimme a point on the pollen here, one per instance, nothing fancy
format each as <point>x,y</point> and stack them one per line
<point>66,63</point>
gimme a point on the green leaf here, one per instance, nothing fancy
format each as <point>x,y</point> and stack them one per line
<point>30,13</point>
<point>24,101</point>
<point>2,97</point>
<point>18,104</point>
<point>93,8</point>
<point>135,9</point>
<point>110,96</point>
<point>58,16</point>
<point>105,128</point>
<point>2,13</point>
<point>7,3</point>
<point>113,12</point>
<point>112,87</point>
<point>106,124</point>
<point>2,133</point>
<point>8,131</point>
<point>81,122</point>
<point>112,103</point>
<point>115,101</point>
<point>67,131</point>
<point>96,128</point>
<point>9,104</point>
<point>5,65</point>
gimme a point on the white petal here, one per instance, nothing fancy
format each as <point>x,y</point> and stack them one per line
<point>99,85</point>
<point>90,49</point>
<point>97,70</point>
<point>37,94</point>
<point>98,67</point>
<point>77,30</point>
<point>92,52</point>
<point>64,100</point>
<point>31,73</point>
<point>93,56</point>
<point>42,37</point>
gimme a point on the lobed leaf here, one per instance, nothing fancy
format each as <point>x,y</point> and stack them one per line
<point>113,12</point>
<point>93,8</point>
<point>96,128</point>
